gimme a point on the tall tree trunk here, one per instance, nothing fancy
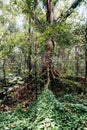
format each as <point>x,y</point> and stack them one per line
<point>48,70</point>
<point>35,67</point>
<point>77,60</point>
<point>86,53</point>
<point>35,52</point>
<point>48,47</point>
<point>30,50</point>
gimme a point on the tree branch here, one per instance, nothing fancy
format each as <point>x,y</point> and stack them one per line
<point>69,11</point>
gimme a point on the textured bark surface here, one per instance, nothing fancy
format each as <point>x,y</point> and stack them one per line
<point>49,46</point>
<point>49,14</point>
<point>86,54</point>
<point>48,70</point>
<point>77,60</point>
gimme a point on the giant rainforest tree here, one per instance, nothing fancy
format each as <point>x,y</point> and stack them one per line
<point>47,67</point>
<point>43,29</point>
<point>43,22</point>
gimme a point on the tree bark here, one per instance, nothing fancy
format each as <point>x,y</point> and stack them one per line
<point>35,67</point>
<point>86,53</point>
<point>77,60</point>
<point>47,62</point>
<point>49,14</point>
<point>27,56</point>
<point>4,72</point>
<point>48,70</point>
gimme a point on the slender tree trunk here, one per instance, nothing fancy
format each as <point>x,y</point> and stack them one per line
<point>30,48</point>
<point>77,60</point>
<point>4,73</point>
<point>86,54</point>
<point>35,52</point>
<point>35,67</point>
<point>29,66</point>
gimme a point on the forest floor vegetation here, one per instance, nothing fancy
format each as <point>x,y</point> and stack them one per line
<point>68,112</point>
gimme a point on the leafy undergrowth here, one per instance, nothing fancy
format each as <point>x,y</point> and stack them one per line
<point>47,113</point>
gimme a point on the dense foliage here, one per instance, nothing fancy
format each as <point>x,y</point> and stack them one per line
<point>42,45</point>
<point>48,113</point>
